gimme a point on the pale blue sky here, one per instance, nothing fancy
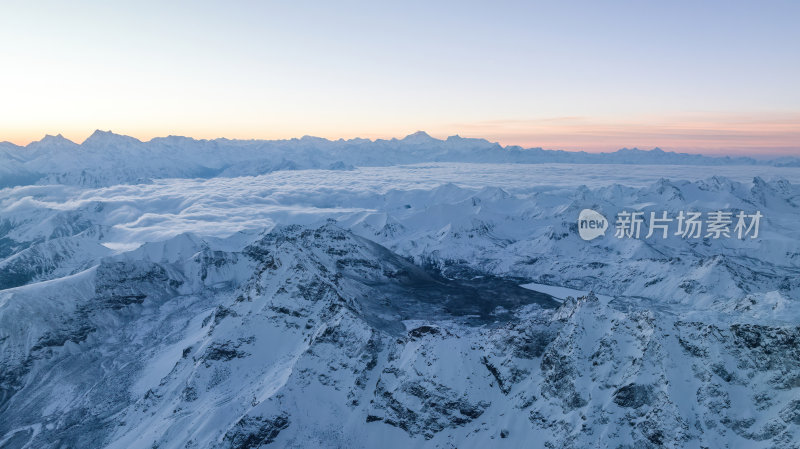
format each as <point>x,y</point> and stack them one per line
<point>711,76</point>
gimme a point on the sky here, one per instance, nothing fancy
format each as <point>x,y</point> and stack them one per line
<point>716,77</point>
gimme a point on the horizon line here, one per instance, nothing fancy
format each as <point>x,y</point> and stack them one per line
<point>372,138</point>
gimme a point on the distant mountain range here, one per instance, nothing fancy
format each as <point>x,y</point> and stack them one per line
<point>106,158</point>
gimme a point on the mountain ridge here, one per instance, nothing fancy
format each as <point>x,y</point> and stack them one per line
<point>106,158</point>
<point>111,138</point>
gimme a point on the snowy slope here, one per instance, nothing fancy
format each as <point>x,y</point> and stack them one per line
<point>303,309</point>
<point>316,337</point>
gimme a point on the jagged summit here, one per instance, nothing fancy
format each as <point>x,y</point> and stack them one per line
<point>419,137</point>
<point>50,141</point>
<point>101,138</point>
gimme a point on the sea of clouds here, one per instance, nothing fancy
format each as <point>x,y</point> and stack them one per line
<point>220,206</point>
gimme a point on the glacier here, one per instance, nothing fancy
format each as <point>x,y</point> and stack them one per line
<point>408,293</point>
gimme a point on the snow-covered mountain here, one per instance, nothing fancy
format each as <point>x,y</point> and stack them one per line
<point>344,311</point>
<point>106,158</point>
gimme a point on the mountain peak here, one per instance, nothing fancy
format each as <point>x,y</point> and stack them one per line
<point>419,137</point>
<point>108,138</point>
<point>50,141</point>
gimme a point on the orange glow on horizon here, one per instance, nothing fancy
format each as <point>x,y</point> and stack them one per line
<point>777,135</point>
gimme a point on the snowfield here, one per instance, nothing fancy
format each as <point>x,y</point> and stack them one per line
<point>318,300</point>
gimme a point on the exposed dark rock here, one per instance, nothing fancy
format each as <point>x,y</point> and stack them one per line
<point>634,395</point>
<point>420,331</point>
<point>223,351</point>
<point>252,432</point>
